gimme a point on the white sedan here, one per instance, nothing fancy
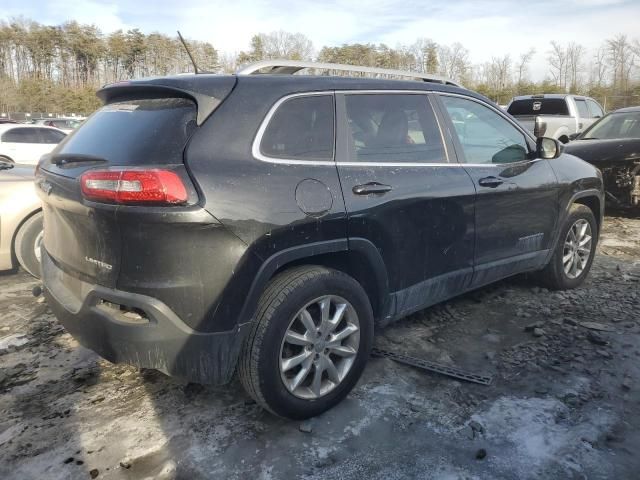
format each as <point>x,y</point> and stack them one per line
<point>25,144</point>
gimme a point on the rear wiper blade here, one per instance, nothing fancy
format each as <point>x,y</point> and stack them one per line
<point>61,159</point>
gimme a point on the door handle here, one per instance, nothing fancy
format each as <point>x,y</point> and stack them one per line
<point>491,182</point>
<point>371,187</point>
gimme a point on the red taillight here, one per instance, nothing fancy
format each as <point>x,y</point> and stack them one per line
<point>134,186</point>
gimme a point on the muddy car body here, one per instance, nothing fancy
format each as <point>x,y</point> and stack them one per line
<point>613,145</point>
<point>268,222</point>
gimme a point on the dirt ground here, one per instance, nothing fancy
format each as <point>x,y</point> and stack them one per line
<point>564,402</point>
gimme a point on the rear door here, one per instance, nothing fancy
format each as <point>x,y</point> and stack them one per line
<point>82,237</point>
<point>516,204</point>
<point>585,117</point>
<point>404,195</point>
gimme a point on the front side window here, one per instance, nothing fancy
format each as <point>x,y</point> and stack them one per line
<point>393,128</point>
<point>21,135</point>
<point>301,129</point>
<point>583,111</point>
<point>485,136</point>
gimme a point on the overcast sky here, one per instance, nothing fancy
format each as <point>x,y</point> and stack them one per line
<point>486,27</point>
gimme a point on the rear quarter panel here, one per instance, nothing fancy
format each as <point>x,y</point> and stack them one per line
<point>256,200</point>
<point>18,201</point>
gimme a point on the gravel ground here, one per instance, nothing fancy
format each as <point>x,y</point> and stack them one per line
<point>564,403</point>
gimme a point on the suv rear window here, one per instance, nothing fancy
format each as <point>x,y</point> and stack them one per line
<point>301,129</point>
<point>539,106</point>
<point>137,132</point>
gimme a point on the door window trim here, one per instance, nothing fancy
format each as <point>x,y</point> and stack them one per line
<point>257,154</point>
<point>452,157</point>
<point>255,148</point>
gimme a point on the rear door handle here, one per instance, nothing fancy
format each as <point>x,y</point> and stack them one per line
<point>491,182</point>
<point>371,187</point>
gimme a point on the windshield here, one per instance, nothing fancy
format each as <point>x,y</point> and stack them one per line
<point>615,125</point>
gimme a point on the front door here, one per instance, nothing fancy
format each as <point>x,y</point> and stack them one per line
<point>404,196</point>
<point>516,205</point>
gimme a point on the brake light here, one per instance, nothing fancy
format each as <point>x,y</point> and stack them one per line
<point>153,186</point>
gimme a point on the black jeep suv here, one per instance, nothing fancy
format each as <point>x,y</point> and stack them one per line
<point>266,224</point>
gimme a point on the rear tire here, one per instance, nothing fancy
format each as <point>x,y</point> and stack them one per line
<point>27,244</point>
<point>281,334</point>
<point>570,263</point>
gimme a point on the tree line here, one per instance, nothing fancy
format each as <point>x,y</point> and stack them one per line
<point>57,68</point>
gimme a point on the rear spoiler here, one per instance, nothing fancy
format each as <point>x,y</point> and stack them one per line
<point>211,91</point>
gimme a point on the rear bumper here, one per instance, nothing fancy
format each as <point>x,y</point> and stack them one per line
<point>164,343</point>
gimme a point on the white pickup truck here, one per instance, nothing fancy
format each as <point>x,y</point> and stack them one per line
<point>558,115</point>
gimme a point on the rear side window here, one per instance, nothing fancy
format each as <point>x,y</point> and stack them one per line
<point>21,135</point>
<point>50,136</point>
<point>539,106</point>
<point>393,128</point>
<point>137,132</point>
<point>583,111</point>
<point>595,109</point>
<point>301,129</point>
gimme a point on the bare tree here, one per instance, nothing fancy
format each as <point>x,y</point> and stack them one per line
<point>622,60</point>
<point>425,51</point>
<point>454,61</point>
<point>599,67</point>
<point>557,58</point>
<point>575,52</point>
<point>523,64</point>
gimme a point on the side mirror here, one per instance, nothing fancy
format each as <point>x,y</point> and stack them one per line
<point>573,136</point>
<point>548,148</point>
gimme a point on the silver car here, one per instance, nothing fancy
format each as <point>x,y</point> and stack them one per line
<point>20,219</point>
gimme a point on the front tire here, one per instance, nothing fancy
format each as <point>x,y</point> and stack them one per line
<point>309,342</point>
<point>575,251</point>
<point>27,244</point>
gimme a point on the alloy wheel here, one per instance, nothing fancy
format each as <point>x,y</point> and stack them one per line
<point>577,249</point>
<point>319,347</point>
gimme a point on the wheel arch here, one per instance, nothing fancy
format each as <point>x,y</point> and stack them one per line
<point>592,199</point>
<point>33,213</point>
<point>592,202</point>
<point>358,258</point>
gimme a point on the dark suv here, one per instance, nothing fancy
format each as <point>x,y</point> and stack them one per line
<point>266,223</point>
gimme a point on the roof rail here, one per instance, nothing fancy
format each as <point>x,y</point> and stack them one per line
<point>289,67</point>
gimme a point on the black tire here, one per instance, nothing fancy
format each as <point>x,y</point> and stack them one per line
<point>25,244</point>
<point>285,295</point>
<point>553,275</point>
